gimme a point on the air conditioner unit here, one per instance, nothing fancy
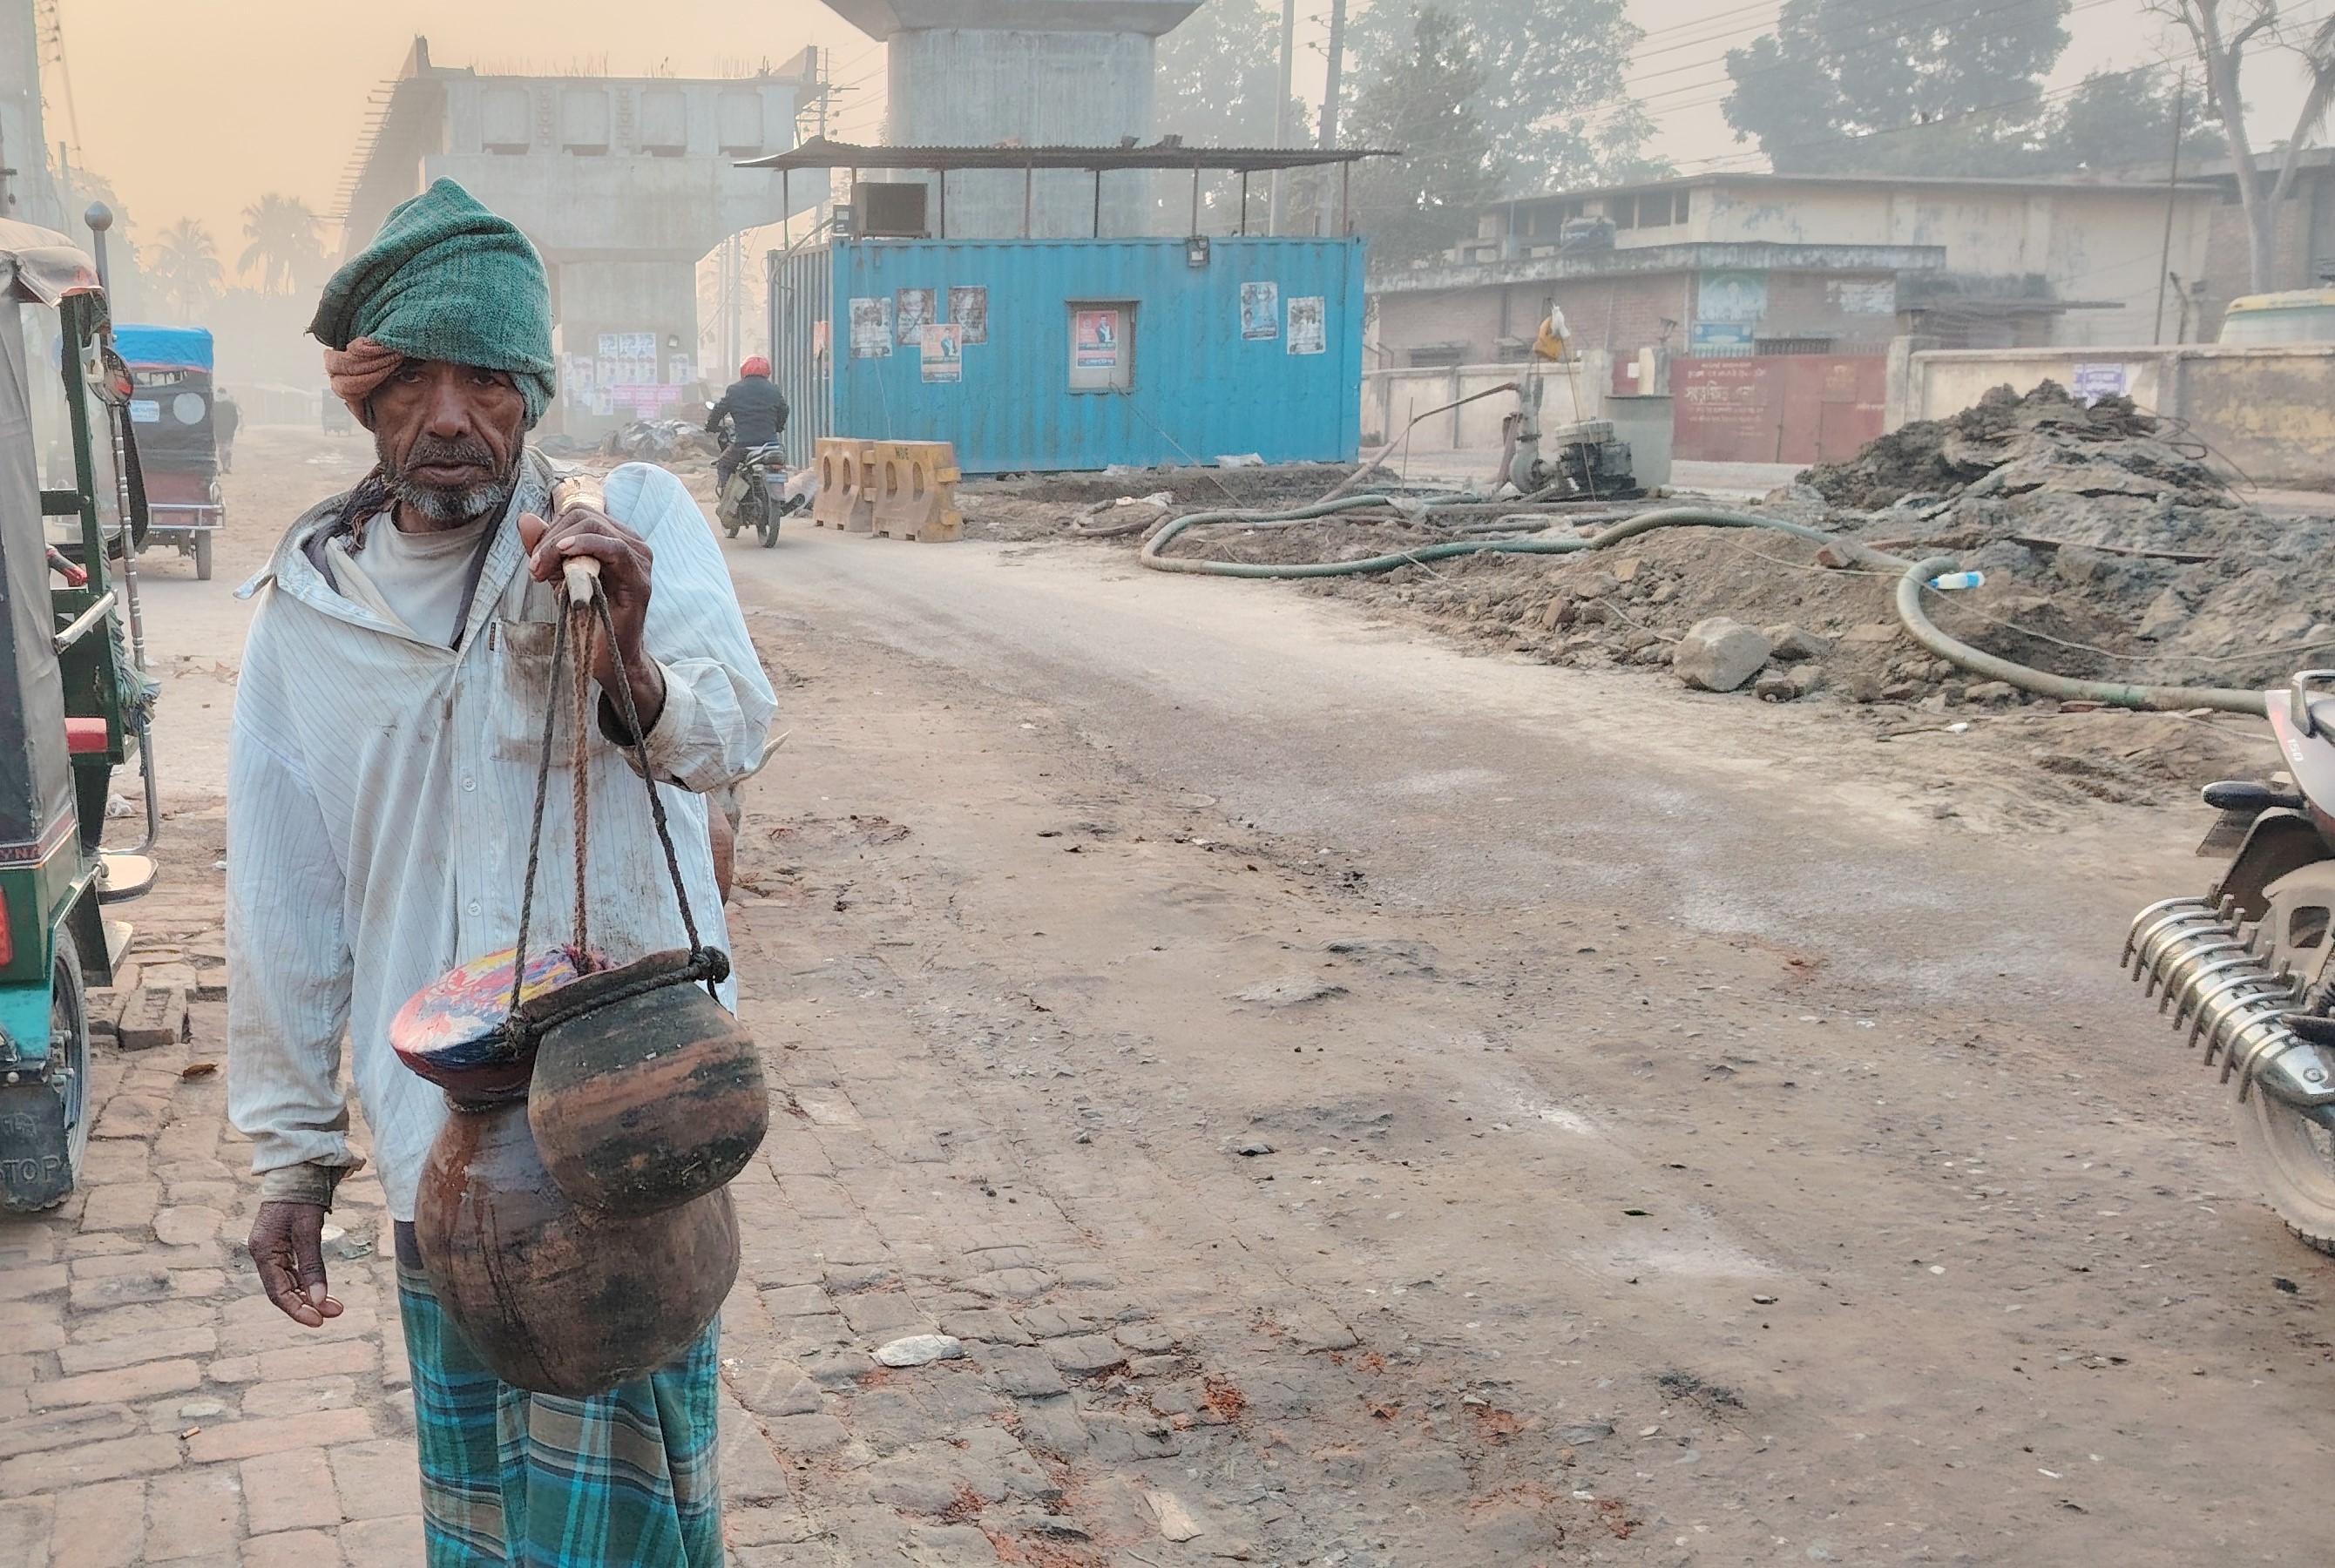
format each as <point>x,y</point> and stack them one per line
<point>887,211</point>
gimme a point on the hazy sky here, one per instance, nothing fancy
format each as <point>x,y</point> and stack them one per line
<point>194,108</point>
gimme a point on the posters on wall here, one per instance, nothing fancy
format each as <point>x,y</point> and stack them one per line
<point>913,311</point>
<point>2095,381</point>
<point>628,358</point>
<point>969,309</point>
<point>1309,323</point>
<point>1731,297</point>
<point>871,328</point>
<point>942,347</point>
<point>1095,343</point>
<point>1720,339</point>
<point>1260,311</point>
<point>1862,296</point>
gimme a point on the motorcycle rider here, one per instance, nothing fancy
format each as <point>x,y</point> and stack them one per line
<point>755,412</point>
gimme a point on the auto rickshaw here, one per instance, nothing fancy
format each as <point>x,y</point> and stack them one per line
<point>171,413</point>
<point>72,708</point>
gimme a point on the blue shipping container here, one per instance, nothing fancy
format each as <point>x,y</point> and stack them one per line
<point>1082,354</point>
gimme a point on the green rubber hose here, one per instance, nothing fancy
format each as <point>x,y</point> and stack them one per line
<point>2112,693</point>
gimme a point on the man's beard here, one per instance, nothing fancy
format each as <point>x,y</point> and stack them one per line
<point>465,504</point>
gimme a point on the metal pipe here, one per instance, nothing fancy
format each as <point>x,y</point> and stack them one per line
<point>79,626</point>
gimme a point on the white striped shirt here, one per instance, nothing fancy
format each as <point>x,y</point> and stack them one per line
<point>379,792</point>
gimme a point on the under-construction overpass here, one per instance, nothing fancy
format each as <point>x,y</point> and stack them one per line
<point>622,183</point>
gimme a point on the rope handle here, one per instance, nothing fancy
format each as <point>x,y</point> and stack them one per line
<point>584,613</point>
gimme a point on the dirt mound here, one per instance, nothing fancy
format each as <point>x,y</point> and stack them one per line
<point>1934,460</point>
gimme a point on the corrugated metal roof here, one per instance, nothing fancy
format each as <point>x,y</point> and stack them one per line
<point>819,152</point>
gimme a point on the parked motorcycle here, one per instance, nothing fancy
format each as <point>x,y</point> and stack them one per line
<point>2243,970</point>
<point>756,496</point>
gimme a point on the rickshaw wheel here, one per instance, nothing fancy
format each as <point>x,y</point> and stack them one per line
<point>69,1043</point>
<point>203,557</point>
<point>46,1121</point>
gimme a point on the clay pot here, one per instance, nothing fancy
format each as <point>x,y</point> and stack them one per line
<point>555,1298</point>
<point>643,1101</point>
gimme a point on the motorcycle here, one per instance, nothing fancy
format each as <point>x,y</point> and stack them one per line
<point>756,496</point>
<point>2244,969</point>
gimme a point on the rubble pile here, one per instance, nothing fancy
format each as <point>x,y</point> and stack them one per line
<point>2110,550</point>
<point>667,442</point>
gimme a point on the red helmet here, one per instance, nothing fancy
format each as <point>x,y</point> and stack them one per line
<point>756,366</point>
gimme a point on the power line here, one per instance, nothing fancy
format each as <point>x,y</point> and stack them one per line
<point>1975,112</point>
<point>1942,7</point>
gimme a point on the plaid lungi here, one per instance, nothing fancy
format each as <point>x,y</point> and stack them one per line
<point>534,1481</point>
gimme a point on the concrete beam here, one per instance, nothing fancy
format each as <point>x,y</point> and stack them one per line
<point>883,19</point>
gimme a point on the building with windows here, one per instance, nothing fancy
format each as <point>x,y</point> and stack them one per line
<point>621,182</point>
<point>1728,266</point>
<point>1765,306</point>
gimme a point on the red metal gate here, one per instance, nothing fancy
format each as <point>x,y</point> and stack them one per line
<point>1799,408</point>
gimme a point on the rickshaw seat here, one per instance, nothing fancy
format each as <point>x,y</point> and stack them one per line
<point>85,737</point>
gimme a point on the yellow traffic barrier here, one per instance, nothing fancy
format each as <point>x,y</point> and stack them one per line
<point>916,495</point>
<point>847,479</point>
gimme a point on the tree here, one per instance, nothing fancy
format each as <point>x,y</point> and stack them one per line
<point>1423,103</point>
<point>2117,119</point>
<point>1218,75</point>
<point>1550,99</point>
<point>186,267</point>
<point>287,243</point>
<point>2221,32</point>
<point>1936,86</point>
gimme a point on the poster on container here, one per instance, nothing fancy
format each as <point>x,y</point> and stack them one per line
<point>871,328</point>
<point>913,311</point>
<point>820,340</point>
<point>1260,311</point>
<point>1096,344</point>
<point>969,309</point>
<point>943,350</point>
<point>1309,323</point>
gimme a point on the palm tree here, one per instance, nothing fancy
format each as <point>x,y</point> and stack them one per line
<point>287,242</point>
<point>187,266</point>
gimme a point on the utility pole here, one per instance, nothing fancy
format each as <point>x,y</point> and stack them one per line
<point>2172,198</point>
<point>1332,83</point>
<point>1281,110</point>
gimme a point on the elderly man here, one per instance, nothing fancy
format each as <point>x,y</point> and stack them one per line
<point>383,761</point>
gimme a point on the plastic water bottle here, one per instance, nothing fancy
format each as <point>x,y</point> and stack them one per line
<point>1958,580</point>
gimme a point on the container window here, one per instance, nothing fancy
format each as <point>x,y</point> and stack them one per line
<point>1103,345</point>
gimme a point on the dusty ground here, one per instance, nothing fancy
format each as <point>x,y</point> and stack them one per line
<point>1685,1130</point>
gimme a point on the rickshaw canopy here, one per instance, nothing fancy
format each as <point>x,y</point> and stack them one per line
<point>45,265</point>
<point>186,347</point>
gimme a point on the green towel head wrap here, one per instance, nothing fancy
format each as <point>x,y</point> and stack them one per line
<point>446,279</point>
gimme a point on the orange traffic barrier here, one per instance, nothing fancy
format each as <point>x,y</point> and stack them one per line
<point>916,495</point>
<point>848,485</point>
